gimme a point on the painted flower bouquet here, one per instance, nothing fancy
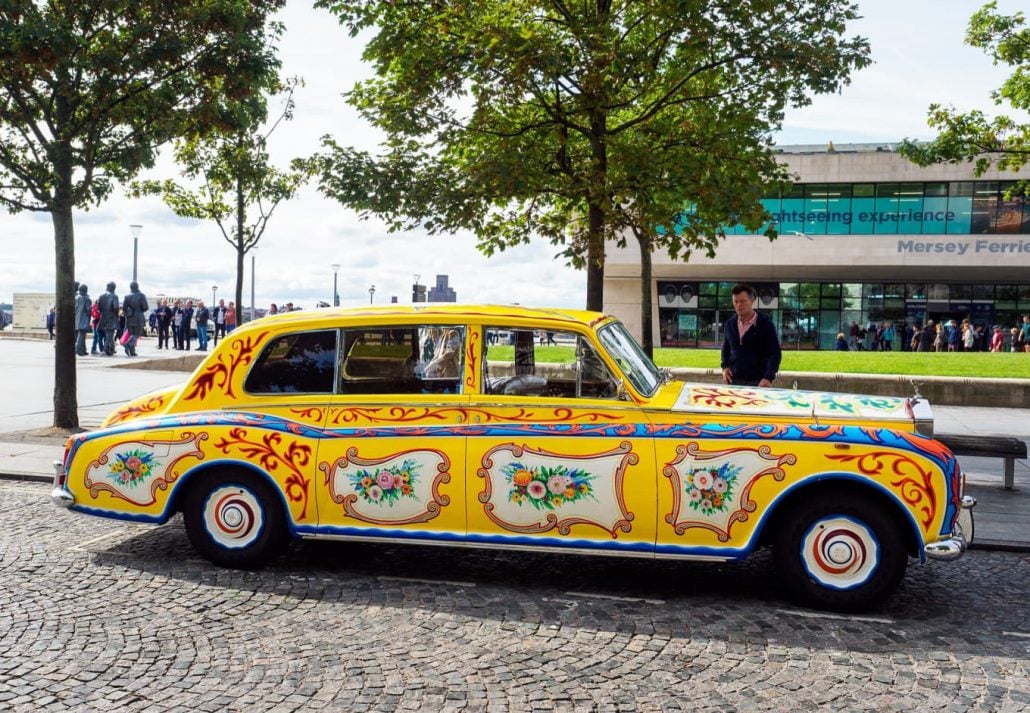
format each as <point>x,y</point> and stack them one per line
<point>386,486</point>
<point>132,467</point>
<point>547,488</point>
<point>710,489</point>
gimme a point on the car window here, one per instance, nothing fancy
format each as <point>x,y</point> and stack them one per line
<point>416,359</point>
<point>523,362</point>
<point>295,363</point>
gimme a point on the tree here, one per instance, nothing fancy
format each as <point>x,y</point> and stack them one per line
<point>237,179</point>
<point>513,118</point>
<point>972,136</point>
<point>90,90</point>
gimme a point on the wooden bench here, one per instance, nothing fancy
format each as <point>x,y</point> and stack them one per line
<point>1004,447</point>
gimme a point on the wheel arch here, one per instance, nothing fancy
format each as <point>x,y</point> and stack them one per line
<point>184,483</point>
<point>843,485</point>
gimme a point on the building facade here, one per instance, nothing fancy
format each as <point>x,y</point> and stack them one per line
<point>442,292</point>
<point>865,237</point>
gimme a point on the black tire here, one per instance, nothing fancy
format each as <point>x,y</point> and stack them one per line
<point>843,552</point>
<point>235,519</point>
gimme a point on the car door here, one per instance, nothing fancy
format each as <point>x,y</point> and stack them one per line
<point>557,456</point>
<point>392,461</point>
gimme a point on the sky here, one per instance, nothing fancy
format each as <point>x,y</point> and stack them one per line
<point>919,58</point>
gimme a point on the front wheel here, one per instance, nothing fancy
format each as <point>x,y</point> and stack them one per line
<point>840,552</point>
<point>234,519</point>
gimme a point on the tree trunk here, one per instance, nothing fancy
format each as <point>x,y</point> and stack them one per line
<point>66,407</point>
<point>646,304</point>
<point>596,196</point>
<point>241,250</point>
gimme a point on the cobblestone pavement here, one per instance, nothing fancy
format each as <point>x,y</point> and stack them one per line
<point>105,615</point>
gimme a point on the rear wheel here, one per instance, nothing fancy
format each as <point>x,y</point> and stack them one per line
<point>841,552</point>
<point>234,518</point>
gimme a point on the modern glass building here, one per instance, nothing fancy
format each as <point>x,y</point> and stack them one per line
<point>865,237</point>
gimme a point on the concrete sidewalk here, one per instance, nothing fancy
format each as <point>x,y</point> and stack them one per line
<point>28,446</point>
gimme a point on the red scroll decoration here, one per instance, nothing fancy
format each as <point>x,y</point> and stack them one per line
<point>268,453</point>
<point>129,412</point>
<point>913,483</point>
<point>220,374</point>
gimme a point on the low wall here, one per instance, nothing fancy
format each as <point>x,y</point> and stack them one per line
<point>941,390</point>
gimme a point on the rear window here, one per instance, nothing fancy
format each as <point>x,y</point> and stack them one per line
<point>303,363</point>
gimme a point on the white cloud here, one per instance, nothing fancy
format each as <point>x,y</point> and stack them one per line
<point>919,55</point>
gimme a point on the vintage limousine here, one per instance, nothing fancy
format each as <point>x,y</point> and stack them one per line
<point>520,428</point>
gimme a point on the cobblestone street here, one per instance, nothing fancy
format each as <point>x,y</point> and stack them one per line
<point>103,615</point>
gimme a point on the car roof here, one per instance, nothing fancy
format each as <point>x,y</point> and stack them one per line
<point>501,315</point>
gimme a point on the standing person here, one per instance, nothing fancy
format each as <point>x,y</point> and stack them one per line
<point>874,337</point>
<point>927,336</point>
<point>906,343</point>
<point>108,304</point>
<point>187,318</point>
<point>997,339</point>
<point>916,344</point>
<point>98,335</point>
<point>968,336</point>
<point>202,316</point>
<point>219,320</point>
<point>135,307</point>
<point>164,321</point>
<point>152,323</point>
<point>273,309</point>
<point>1015,345</point>
<point>1026,333</point>
<point>954,336</point>
<point>750,349</point>
<point>177,323</point>
<point>51,320</point>
<point>230,318</point>
<point>853,332</point>
<point>887,338</point>
<point>83,305</point>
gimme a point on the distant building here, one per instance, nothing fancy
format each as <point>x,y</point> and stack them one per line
<point>442,293</point>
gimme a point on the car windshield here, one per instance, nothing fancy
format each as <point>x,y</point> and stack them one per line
<point>623,348</point>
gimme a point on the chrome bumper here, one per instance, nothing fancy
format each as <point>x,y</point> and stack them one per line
<point>59,496</point>
<point>962,535</point>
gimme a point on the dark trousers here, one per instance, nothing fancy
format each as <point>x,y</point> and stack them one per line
<point>219,331</point>
<point>162,336</point>
<point>177,336</point>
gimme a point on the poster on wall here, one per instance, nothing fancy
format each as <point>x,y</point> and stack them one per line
<point>687,322</point>
<point>677,295</point>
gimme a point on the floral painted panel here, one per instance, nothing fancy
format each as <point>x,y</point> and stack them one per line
<point>530,490</point>
<point>135,470</point>
<point>712,489</point>
<point>399,489</point>
<point>744,400</point>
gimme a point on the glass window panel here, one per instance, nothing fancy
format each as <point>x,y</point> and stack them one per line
<point>708,288</point>
<point>1024,296</point>
<point>938,293</point>
<point>709,332</point>
<point>1007,294</point>
<point>983,292</point>
<point>831,289</point>
<point>302,363</point>
<point>809,295</point>
<point>915,291</point>
<point>985,207</point>
<point>829,303</point>
<point>935,190</point>
<point>935,215</point>
<point>838,209</point>
<point>961,292</point>
<point>1010,212</point>
<point>910,208</point>
<point>403,360</point>
<point>960,207</point>
<point>886,211</point>
<point>872,291</point>
<point>791,215</point>
<point>789,295</point>
<point>726,294</point>
<point>772,205</point>
<point>893,291</point>
<point>815,209</point>
<point>863,203</point>
<point>853,290</point>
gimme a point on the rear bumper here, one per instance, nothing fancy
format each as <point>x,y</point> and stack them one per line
<point>59,496</point>
<point>962,535</point>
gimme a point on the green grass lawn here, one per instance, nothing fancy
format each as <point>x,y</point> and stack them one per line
<point>1003,365</point>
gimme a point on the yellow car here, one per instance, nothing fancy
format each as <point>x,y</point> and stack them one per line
<point>519,428</point>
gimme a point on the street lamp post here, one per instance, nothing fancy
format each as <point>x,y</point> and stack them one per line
<point>336,295</point>
<point>135,230</point>
<point>253,314</point>
<point>214,291</point>
<point>371,293</point>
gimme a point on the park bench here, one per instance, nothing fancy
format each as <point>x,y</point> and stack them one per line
<point>1003,447</point>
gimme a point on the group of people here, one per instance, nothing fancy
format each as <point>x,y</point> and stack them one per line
<point>176,322</point>
<point>943,336</point>
<point>114,322</point>
<point>110,320</point>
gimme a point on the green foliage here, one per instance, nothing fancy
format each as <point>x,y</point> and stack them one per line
<point>229,179</point>
<point>90,90</point>
<point>972,136</point>
<point>578,121</point>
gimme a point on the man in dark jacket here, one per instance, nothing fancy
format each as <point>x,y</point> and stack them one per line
<point>135,307</point>
<point>107,303</point>
<point>83,305</point>
<point>750,348</point>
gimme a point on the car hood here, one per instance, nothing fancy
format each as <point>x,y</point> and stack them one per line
<point>779,403</point>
